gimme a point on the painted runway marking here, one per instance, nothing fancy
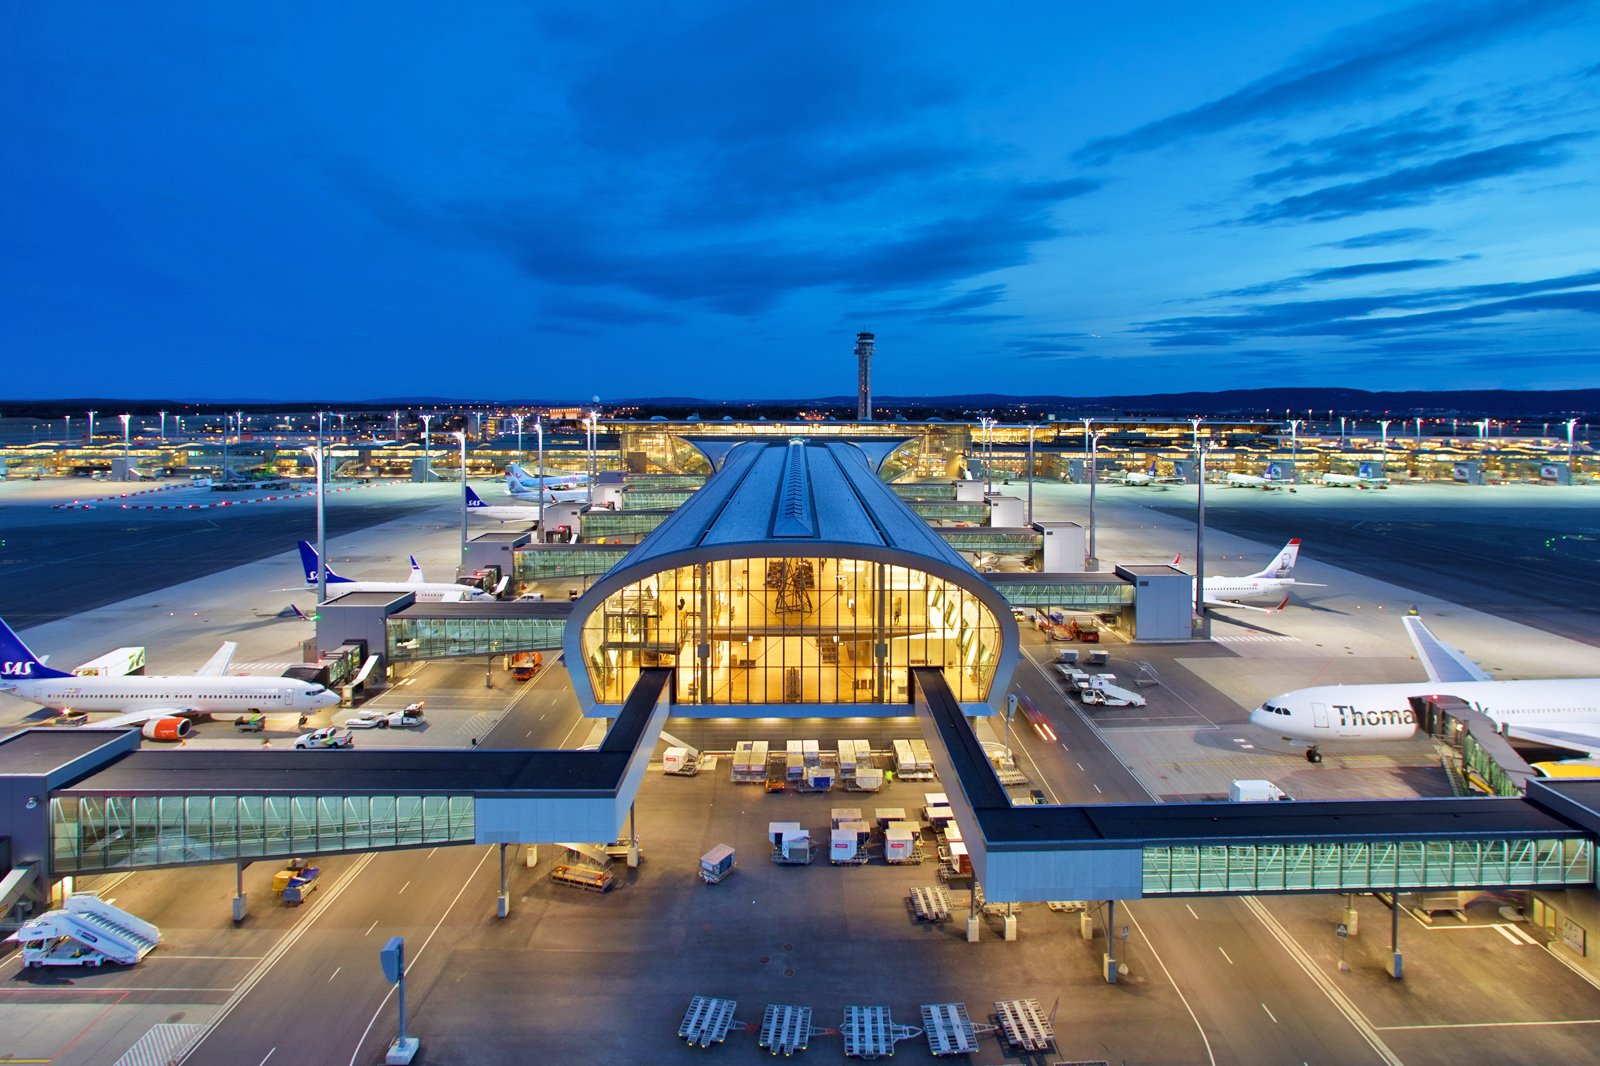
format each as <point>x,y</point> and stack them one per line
<point>1192,914</point>
<point>335,972</point>
<point>370,928</point>
<point>432,853</point>
<point>1489,1025</point>
<point>265,1057</point>
<point>403,889</point>
<point>1097,789</point>
<point>1271,1015</point>
<point>1225,955</point>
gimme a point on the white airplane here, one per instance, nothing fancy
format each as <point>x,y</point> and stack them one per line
<point>426,591</point>
<point>528,482</point>
<point>1558,714</point>
<point>1367,476</point>
<point>1269,585</point>
<point>1271,479</point>
<point>525,513</point>
<point>162,707</point>
<point>528,493</point>
<point>1147,477</point>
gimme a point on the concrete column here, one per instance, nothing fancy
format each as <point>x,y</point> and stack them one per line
<point>1395,967</point>
<point>1108,961</point>
<point>633,841</point>
<point>531,856</point>
<point>1352,917</point>
<point>241,902</point>
<point>1085,924</point>
<point>972,914</point>
<point>503,906</point>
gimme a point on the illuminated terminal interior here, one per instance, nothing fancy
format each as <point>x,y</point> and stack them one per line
<point>795,577</point>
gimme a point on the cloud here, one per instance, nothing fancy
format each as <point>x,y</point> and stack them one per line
<point>1411,186</point>
<point>1338,273</point>
<point>1381,238</point>
<point>1378,57</point>
<point>575,310</point>
<point>1361,150</point>
<point>1390,315</point>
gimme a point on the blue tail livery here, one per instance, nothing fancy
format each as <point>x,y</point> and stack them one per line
<point>17,663</point>
<point>308,562</point>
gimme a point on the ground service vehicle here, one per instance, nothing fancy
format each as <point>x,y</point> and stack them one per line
<point>375,718</point>
<point>328,737</point>
<point>525,664</point>
<point>86,931</point>
<point>250,723</point>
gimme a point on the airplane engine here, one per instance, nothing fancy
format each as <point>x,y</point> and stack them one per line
<point>166,728</point>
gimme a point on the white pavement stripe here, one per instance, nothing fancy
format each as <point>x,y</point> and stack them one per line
<point>1490,1025</point>
<point>1335,995</point>
<point>1211,1056</point>
<point>1271,1015</point>
<point>1254,638</point>
<point>161,1045</point>
<point>1503,931</point>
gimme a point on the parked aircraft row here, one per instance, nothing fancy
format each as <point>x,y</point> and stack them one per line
<point>1563,714</point>
<point>426,591</point>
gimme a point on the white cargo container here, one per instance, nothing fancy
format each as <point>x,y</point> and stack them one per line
<point>845,848</point>
<point>899,846</point>
<point>868,780</point>
<point>847,756</point>
<point>1254,790</point>
<point>775,831</point>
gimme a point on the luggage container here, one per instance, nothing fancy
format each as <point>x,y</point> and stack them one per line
<point>585,877</point>
<point>717,864</point>
<point>812,752</point>
<point>899,847</point>
<point>888,815</point>
<point>775,831</point>
<point>819,778</point>
<point>681,762</point>
<point>842,815</point>
<point>795,771</point>
<point>867,780</point>
<point>845,848</point>
<point>847,756</point>
<point>792,848</point>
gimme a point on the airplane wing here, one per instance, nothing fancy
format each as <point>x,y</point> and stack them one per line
<point>140,717</point>
<point>1574,736</point>
<point>1442,662</point>
<point>217,665</point>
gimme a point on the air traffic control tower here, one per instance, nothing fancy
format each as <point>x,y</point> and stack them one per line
<point>795,582</point>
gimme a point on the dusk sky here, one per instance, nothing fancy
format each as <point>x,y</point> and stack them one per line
<point>549,201</point>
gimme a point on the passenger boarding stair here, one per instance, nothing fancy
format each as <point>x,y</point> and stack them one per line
<point>87,930</point>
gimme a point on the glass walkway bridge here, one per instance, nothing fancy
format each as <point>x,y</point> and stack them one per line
<point>112,806</point>
<point>460,630</point>
<point>540,562</point>
<point>992,541</point>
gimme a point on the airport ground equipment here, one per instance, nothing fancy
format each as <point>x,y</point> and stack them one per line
<point>750,761</point>
<point>791,845</point>
<point>1145,674</point>
<point>301,883</point>
<point>1255,790</point>
<point>250,723</point>
<point>912,760</point>
<point>950,1031</point>
<point>786,1029</point>
<point>930,903</point>
<point>681,762</point>
<point>1104,690</point>
<point>525,664</point>
<point>718,863</point>
<point>585,877</point>
<point>847,844</point>
<point>1099,657</point>
<point>870,1032</point>
<point>85,931</point>
<point>1025,1026</point>
<point>707,1021</point>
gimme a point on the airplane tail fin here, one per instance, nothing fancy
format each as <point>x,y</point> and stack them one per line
<point>17,663</point>
<point>1283,564</point>
<point>309,563</point>
<point>298,613</point>
<point>473,499</point>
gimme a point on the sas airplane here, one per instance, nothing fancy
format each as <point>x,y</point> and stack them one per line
<point>162,707</point>
<point>1268,585</point>
<point>1147,477</point>
<point>1556,714</point>
<point>524,513</point>
<point>426,591</point>
<point>1272,479</point>
<point>1367,476</point>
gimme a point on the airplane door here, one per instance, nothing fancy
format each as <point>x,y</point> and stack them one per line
<point>1319,715</point>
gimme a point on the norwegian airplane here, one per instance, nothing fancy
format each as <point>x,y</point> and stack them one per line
<point>1556,713</point>
<point>1269,585</point>
<point>162,707</point>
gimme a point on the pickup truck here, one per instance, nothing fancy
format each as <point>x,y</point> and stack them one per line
<point>328,737</point>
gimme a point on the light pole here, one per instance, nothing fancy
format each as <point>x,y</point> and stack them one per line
<point>1341,430</point>
<point>126,419</point>
<point>1086,422</point>
<point>1384,426</point>
<point>519,417</point>
<point>538,427</point>
<point>1294,446</point>
<point>1572,424</point>
<point>1483,428</point>
<point>1419,429</point>
<point>592,425</point>
<point>1200,545</point>
<point>397,427</point>
<point>1093,562</point>
<point>340,415</point>
<point>1031,428</point>
<point>91,428</point>
<point>427,448</point>
<point>461,435</point>
<point>163,427</point>
<point>66,433</point>
<point>322,526</point>
<point>224,447</point>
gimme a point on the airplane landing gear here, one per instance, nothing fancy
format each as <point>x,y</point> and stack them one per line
<point>1313,755</point>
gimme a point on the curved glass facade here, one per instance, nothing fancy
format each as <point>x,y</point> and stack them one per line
<point>786,629</point>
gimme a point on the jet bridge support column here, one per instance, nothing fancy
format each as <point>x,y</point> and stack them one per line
<point>633,840</point>
<point>503,905</point>
<point>1109,959</point>
<point>1395,969</point>
<point>241,902</point>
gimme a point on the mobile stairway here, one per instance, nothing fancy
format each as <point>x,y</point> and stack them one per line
<point>87,931</point>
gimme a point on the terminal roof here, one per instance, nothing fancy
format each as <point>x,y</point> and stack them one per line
<point>36,752</point>
<point>793,494</point>
<point>481,609</point>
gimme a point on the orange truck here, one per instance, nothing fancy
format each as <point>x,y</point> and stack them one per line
<point>524,664</point>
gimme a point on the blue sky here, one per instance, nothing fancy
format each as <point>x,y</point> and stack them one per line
<point>633,199</point>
